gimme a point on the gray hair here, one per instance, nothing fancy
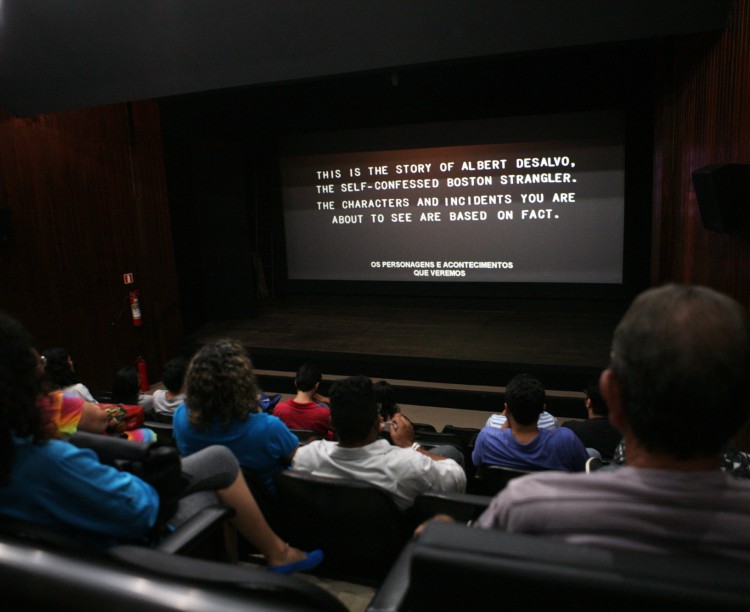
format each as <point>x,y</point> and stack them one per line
<point>682,356</point>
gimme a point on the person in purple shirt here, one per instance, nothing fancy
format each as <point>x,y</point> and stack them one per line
<point>520,444</point>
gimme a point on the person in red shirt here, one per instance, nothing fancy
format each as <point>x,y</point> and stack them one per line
<point>308,409</point>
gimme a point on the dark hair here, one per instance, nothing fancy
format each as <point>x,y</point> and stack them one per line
<point>385,396</point>
<point>525,397</point>
<point>20,387</point>
<point>173,376</point>
<point>353,408</point>
<point>307,377</point>
<point>598,405</point>
<point>221,384</point>
<point>682,357</point>
<point>126,386</point>
<point>57,370</point>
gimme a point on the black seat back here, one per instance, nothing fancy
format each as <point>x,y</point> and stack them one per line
<point>452,567</point>
<point>39,576</point>
<point>306,435</point>
<point>491,479</point>
<point>357,524</point>
<point>467,435</point>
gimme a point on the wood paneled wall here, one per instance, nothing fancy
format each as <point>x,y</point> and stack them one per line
<point>87,194</point>
<point>702,117</point>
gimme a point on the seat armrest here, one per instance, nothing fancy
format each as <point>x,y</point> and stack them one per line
<point>463,507</point>
<point>391,595</point>
<point>195,529</point>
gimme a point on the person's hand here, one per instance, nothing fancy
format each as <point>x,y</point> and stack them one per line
<point>322,399</point>
<point>504,413</point>
<point>440,518</point>
<point>402,431</point>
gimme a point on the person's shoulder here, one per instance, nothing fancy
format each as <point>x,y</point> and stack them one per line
<point>496,421</point>
<point>491,430</point>
<point>180,415</point>
<point>546,420</point>
<point>267,420</point>
<point>59,454</point>
<point>316,448</point>
<point>560,433</point>
<point>553,483</point>
<point>283,405</point>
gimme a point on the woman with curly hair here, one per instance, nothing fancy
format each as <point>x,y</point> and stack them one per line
<point>57,485</point>
<point>221,407</point>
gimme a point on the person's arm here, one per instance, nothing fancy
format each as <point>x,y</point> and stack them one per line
<point>323,399</point>
<point>438,518</point>
<point>100,498</point>
<point>402,434</point>
<point>93,419</point>
<point>284,441</point>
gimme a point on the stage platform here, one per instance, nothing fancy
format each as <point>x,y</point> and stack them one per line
<point>448,346</point>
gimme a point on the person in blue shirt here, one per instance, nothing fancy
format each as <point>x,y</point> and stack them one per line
<point>520,444</point>
<point>221,407</point>
<point>57,485</point>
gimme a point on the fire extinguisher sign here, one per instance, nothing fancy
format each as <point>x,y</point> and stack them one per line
<point>127,278</point>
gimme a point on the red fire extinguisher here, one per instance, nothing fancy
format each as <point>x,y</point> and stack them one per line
<point>142,373</point>
<point>135,308</point>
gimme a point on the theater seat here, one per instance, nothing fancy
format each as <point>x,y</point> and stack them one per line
<point>491,479</point>
<point>43,576</point>
<point>306,435</point>
<point>453,567</point>
<point>462,507</point>
<point>357,524</point>
<point>201,535</point>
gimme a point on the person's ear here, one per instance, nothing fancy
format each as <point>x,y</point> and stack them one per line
<point>611,391</point>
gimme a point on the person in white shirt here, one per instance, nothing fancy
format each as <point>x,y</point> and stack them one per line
<point>403,468</point>
<point>163,402</point>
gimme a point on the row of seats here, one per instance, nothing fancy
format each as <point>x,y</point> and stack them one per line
<point>357,523</point>
<point>454,567</point>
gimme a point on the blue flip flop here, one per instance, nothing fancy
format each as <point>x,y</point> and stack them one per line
<point>312,560</point>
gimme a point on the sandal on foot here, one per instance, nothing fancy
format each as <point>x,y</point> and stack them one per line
<point>312,560</point>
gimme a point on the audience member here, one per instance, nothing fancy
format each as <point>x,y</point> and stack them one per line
<point>596,432</point>
<point>60,371</point>
<point>675,388</point>
<point>520,444</point>
<point>403,469</point>
<point>71,413</point>
<point>126,387</point>
<point>67,412</point>
<point>55,484</point>
<point>163,402</point>
<point>221,408</point>
<point>385,395</point>
<point>302,411</point>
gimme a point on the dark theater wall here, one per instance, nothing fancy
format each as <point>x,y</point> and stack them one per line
<point>88,200</point>
<point>703,117</point>
<point>88,203</point>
